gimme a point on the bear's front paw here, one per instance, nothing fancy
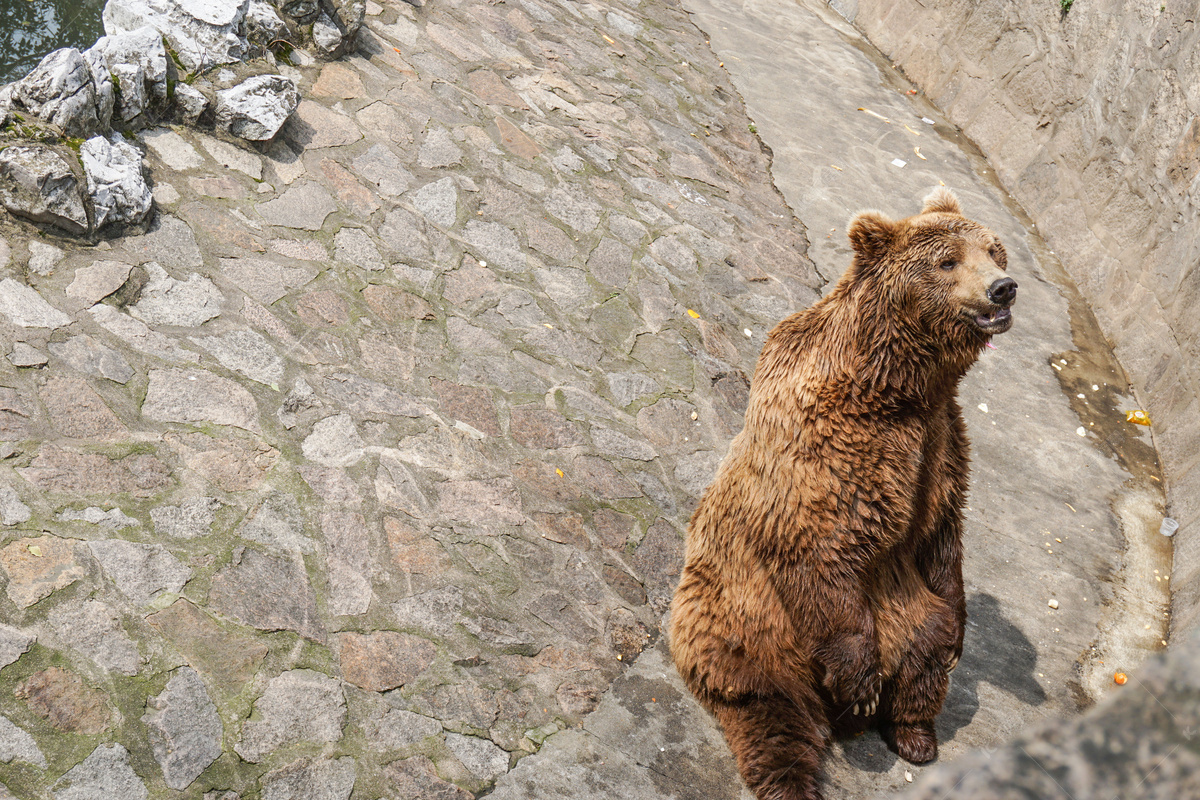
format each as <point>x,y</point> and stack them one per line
<point>952,663</point>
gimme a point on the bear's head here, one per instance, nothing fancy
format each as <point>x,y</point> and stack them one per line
<point>941,275</point>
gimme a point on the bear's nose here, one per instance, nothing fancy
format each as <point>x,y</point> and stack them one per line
<point>1003,291</point>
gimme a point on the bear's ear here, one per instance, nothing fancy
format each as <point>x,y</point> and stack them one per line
<point>871,233</point>
<point>941,200</point>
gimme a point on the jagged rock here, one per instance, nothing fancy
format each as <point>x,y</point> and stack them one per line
<point>37,183</point>
<point>185,729</point>
<point>327,37</point>
<point>143,47</point>
<point>118,190</point>
<point>336,30</point>
<point>190,102</point>
<point>257,107</point>
<point>138,60</point>
<point>263,25</point>
<point>61,90</point>
<point>203,33</point>
<point>301,10</point>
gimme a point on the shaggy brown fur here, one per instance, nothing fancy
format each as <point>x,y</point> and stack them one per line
<point>822,590</point>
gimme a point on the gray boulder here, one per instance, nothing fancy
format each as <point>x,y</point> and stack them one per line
<point>138,59</point>
<point>191,102</point>
<point>300,10</point>
<point>335,31</point>
<point>61,90</point>
<point>327,38</point>
<point>118,190</point>
<point>203,33</point>
<point>257,107</point>
<point>263,24</point>
<point>37,183</point>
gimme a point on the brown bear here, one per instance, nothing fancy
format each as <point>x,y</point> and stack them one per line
<point>822,590</point>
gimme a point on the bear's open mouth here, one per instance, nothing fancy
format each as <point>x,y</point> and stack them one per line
<point>998,320</point>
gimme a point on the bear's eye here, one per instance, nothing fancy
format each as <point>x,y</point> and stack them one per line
<point>994,251</point>
<point>948,264</point>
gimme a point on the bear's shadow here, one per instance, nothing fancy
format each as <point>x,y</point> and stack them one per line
<point>994,650</point>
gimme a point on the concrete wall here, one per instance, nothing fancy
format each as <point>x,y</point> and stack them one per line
<point>1091,121</point>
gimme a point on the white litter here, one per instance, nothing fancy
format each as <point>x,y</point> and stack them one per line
<point>898,163</point>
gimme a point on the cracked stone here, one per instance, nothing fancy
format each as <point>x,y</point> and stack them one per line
<point>84,354</point>
<point>267,593</point>
<point>322,308</point>
<point>17,745</point>
<point>190,396</point>
<point>436,611</point>
<point>542,428</point>
<point>77,411</point>
<point>459,705</point>
<point>334,442</point>
<point>383,660</point>
<point>37,567</point>
<point>279,523</point>
<point>315,779</point>
<point>115,181</point>
<point>12,510</point>
<point>265,280</point>
<point>481,757</point>
<point>601,478</point>
<point>473,405</point>
<point>38,184</point>
<point>485,503</point>
<point>349,562</point>
<point>185,729</point>
<point>113,519</point>
<point>43,258</point>
<point>23,355</point>
<point>303,207</point>
<point>172,149</point>
<point>314,126</point>
<point>380,167</point>
<point>354,246</point>
<point>439,150</point>
<point>396,728</point>
<point>187,520</point>
<point>57,470</point>
<point>395,305</point>
<point>438,202</point>
<point>105,773</point>
<point>140,571</point>
<point>247,352</point>
<point>13,644</point>
<point>416,777</point>
<point>168,301</point>
<point>298,706</point>
<point>62,699</point>
<point>25,308</point>
<point>139,335</point>
<point>95,630</point>
<point>233,465</point>
<point>659,558</point>
<point>230,659</point>
<point>367,398</point>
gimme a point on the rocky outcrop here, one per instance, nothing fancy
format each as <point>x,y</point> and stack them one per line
<point>134,77</point>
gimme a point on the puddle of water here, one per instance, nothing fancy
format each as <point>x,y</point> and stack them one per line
<point>29,29</point>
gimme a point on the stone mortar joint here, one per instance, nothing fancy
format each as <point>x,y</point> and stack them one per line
<point>64,158</point>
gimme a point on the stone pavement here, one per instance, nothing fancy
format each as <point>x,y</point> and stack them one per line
<point>365,473</point>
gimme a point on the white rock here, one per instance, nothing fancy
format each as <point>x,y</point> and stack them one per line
<point>326,37</point>
<point>203,33</point>
<point>61,90</point>
<point>257,107</point>
<point>334,442</point>
<point>38,184</point>
<point>168,301</point>
<point>263,25</point>
<point>140,571</point>
<point>114,518</point>
<point>191,102</point>
<point>17,745</point>
<point>12,510</point>
<point>119,193</point>
<point>143,47</point>
<point>26,308</point>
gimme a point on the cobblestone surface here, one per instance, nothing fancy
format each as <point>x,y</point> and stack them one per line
<point>365,472</point>
<point>365,465</point>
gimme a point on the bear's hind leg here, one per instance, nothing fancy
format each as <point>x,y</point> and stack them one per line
<point>778,743</point>
<point>913,697</point>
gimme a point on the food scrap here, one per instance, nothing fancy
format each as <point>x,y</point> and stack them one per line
<point>1137,417</point>
<point>1120,679</point>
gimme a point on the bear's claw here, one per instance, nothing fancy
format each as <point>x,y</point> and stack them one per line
<point>953,663</point>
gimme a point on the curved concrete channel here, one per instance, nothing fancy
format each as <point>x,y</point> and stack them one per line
<point>365,473</point>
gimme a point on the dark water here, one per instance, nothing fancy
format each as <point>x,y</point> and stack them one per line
<point>29,29</point>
